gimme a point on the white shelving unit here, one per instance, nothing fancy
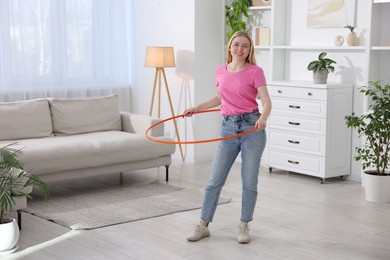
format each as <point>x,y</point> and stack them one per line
<point>378,49</point>
<point>278,58</point>
<point>286,59</point>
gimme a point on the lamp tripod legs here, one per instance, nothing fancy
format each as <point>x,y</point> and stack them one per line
<point>157,76</point>
<point>153,93</point>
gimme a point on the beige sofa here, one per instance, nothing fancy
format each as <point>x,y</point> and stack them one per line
<point>72,138</point>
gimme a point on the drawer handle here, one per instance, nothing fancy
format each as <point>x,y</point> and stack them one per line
<point>293,162</point>
<point>295,107</point>
<point>294,123</point>
<point>279,91</point>
<point>293,142</point>
<point>309,94</point>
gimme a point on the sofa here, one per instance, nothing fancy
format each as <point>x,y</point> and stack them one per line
<point>64,138</point>
<point>80,137</point>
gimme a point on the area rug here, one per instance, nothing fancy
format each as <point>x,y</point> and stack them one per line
<point>115,205</point>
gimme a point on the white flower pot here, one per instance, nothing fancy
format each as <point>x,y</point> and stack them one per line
<point>377,188</point>
<point>320,77</point>
<point>9,231</point>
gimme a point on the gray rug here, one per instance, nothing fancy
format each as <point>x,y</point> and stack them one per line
<point>115,205</point>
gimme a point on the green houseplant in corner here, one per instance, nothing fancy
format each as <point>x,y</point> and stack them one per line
<point>321,68</point>
<point>14,181</point>
<point>235,15</point>
<point>374,153</point>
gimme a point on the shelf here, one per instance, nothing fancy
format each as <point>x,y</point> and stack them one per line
<point>380,48</point>
<point>255,8</point>
<point>381,1</point>
<point>262,47</point>
<point>316,48</point>
<point>309,84</point>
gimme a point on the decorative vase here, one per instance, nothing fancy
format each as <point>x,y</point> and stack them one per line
<point>9,231</point>
<point>338,40</point>
<point>377,187</point>
<point>352,39</point>
<point>320,76</point>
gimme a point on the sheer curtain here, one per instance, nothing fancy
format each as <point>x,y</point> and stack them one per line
<point>64,48</point>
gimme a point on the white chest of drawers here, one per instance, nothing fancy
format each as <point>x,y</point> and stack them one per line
<point>306,130</point>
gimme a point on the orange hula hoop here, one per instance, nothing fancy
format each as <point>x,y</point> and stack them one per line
<point>192,142</point>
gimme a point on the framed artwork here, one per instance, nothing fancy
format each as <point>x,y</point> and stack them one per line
<point>330,13</point>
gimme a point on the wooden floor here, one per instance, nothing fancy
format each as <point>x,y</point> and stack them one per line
<point>296,218</point>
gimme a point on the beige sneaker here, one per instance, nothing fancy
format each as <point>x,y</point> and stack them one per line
<point>199,231</point>
<point>243,233</point>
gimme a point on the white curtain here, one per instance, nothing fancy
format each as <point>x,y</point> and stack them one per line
<point>64,48</point>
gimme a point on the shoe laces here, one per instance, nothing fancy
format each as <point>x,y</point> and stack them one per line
<point>197,228</point>
<point>244,227</point>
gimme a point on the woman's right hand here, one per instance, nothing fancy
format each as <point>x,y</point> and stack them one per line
<point>212,102</point>
<point>189,111</point>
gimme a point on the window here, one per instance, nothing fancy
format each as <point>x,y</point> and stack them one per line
<point>64,43</point>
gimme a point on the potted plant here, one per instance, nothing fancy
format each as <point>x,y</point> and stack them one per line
<point>235,14</point>
<point>13,183</point>
<point>374,153</point>
<point>352,39</point>
<point>321,68</point>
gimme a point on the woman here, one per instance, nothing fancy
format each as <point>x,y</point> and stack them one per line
<point>239,83</point>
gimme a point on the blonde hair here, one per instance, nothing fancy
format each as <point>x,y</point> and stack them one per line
<point>251,57</point>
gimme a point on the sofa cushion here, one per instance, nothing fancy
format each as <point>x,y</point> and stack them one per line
<point>64,153</point>
<point>85,115</point>
<point>25,119</point>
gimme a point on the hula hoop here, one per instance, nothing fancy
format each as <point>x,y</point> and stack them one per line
<point>194,141</point>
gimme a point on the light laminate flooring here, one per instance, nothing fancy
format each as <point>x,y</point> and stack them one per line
<point>296,217</point>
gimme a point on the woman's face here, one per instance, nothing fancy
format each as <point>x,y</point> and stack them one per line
<point>239,49</point>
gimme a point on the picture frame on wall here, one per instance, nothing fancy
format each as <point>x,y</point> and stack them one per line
<point>330,13</point>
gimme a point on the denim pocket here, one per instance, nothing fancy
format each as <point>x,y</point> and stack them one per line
<point>251,118</point>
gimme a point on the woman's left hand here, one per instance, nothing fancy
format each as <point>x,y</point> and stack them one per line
<point>261,124</point>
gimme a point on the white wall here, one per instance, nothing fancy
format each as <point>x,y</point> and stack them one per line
<point>208,50</point>
<point>186,25</point>
<point>159,23</point>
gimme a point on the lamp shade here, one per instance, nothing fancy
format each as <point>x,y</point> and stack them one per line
<point>159,57</point>
<point>185,64</point>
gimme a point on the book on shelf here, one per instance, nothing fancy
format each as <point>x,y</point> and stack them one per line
<point>262,36</point>
<point>261,2</point>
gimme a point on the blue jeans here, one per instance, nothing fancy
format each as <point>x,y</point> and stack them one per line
<point>251,147</point>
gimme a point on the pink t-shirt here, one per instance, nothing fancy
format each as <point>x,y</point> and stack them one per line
<point>238,90</point>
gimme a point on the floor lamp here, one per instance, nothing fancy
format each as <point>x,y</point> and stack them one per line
<point>160,58</point>
<point>185,71</point>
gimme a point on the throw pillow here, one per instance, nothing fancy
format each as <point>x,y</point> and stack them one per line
<point>85,115</point>
<point>25,119</point>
